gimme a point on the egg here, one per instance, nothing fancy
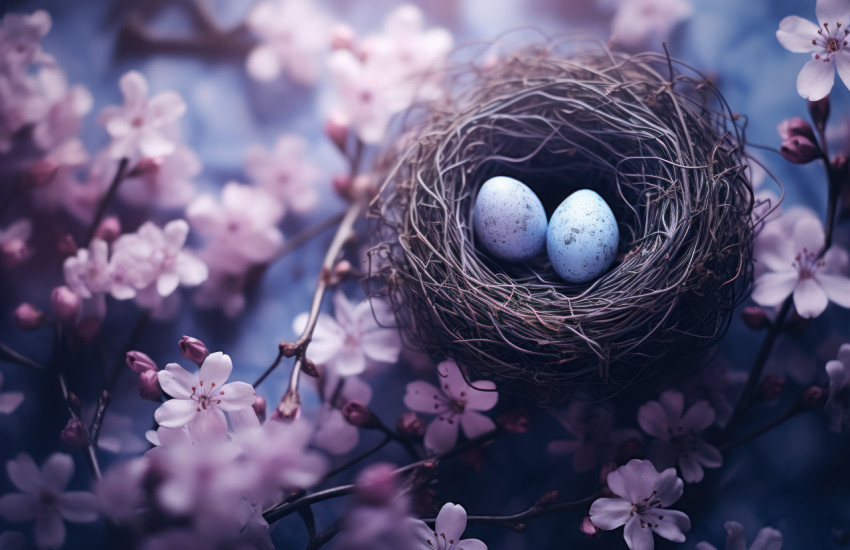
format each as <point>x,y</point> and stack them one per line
<point>509,220</point>
<point>583,237</point>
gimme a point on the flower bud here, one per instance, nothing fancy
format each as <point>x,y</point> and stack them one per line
<point>341,271</point>
<point>28,317</point>
<point>140,362</point>
<point>75,434</point>
<point>799,150</point>
<point>819,111</point>
<point>109,229</point>
<point>41,173</point>
<point>65,304</point>
<point>515,421</point>
<point>410,425</point>
<point>193,349</point>
<point>358,414</point>
<point>377,485</point>
<point>342,184</point>
<point>66,246</point>
<point>259,407</point>
<point>337,127</point>
<point>755,317</point>
<point>796,126</point>
<point>588,529</point>
<point>342,37</point>
<point>813,398</point>
<point>149,387</point>
<point>770,387</point>
<point>13,253</point>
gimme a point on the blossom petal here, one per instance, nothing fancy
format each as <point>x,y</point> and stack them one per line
<point>672,525</point>
<point>736,538</point>
<point>451,521</point>
<point>382,344</point>
<point>166,107</point>
<point>18,506</point>
<point>638,535</point>
<point>56,472</point>
<point>425,398</point>
<point>263,64</point>
<point>175,413</point>
<point>691,469</point>
<point>669,487</point>
<point>167,283</point>
<point>334,434</point>
<point>10,400</point>
<point>699,417</point>
<point>471,544</point>
<point>236,395</point>
<point>153,144</point>
<point>610,513</point>
<point>441,434</point>
<point>451,380</point>
<point>796,34</point>
<point>177,381</point>
<point>708,455</point>
<point>809,298</point>
<point>837,373</point>
<point>350,361</point>
<point>775,250</point>
<point>836,287</point>
<point>653,420</point>
<point>134,88</point>
<point>816,79</point>
<point>24,473</point>
<point>633,481</point>
<point>842,65</point>
<point>192,271</point>
<point>475,424</point>
<point>216,369</point>
<point>771,289</point>
<point>767,539</point>
<point>77,506</point>
<point>49,530</point>
<point>832,12</point>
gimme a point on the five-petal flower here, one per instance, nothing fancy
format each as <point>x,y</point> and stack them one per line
<point>450,525</point>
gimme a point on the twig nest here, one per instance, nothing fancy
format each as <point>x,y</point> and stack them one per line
<point>653,139</point>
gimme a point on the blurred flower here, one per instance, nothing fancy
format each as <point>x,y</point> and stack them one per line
<point>44,499</point>
<point>335,434</point>
<point>385,527</point>
<point>596,441</point>
<point>720,385</point>
<point>87,273</point>
<point>13,243</point>
<point>346,345</point>
<point>9,400</point>
<point>202,397</point>
<point>678,436</point>
<point>795,268</point>
<point>838,403</point>
<point>642,23</point>
<point>222,289</point>
<point>643,496</point>
<point>285,172</point>
<point>456,404</point>
<point>293,36</point>
<point>767,539</point>
<point>56,132</point>
<point>450,525</point>
<point>28,317</point>
<point>142,125</point>
<point>164,182</point>
<point>20,41</point>
<point>826,40</point>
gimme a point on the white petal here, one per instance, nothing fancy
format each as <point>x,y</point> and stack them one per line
<point>638,535</point>
<point>451,521</point>
<point>672,526</point>
<point>809,298</point>
<point>425,398</point>
<point>837,288</point>
<point>175,413</point>
<point>24,473</point>
<point>167,283</point>
<point>475,423</point>
<point>166,107</point>
<point>441,434</point>
<point>610,513</point>
<point>77,506</point>
<point>796,34</point>
<point>236,395</point>
<point>177,381</point>
<point>653,420</point>
<point>771,289</point>
<point>842,65</point>
<point>816,79</point>
<point>216,369</point>
<point>263,64</point>
<point>134,87</point>
<point>382,344</point>
<point>669,487</point>
<point>56,472</point>
<point>736,538</point>
<point>832,12</point>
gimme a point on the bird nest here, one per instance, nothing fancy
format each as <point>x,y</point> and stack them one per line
<point>654,138</point>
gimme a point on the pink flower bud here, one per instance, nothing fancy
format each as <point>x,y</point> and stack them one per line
<point>337,127</point>
<point>42,173</point>
<point>13,253</point>
<point>588,529</point>
<point>364,186</point>
<point>515,421</point>
<point>140,362</point>
<point>28,317</point>
<point>799,150</point>
<point>771,387</point>
<point>75,434</point>
<point>342,37</point>
<point>193,349</point>
<point>109,229</point>
<point>819,111</point>
<point>376,484</point>
<point>410,425</point>
<point>796,126</point>
<point>358,414</point>
<point>260,407</point>
<point>342,184</point>
<point>813,398</point>
<point>65,304</point>
<point>66,246</point>
<point>149,386</point>
<point>341,271</point>
<point>755,317</point>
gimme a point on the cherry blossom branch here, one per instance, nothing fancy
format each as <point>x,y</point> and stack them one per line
<point>120,174</point>
<point>11,356</point>
<point>364,455</point>
<point>791,412</point>
<point>309,233</point>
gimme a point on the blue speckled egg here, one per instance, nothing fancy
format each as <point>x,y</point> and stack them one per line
<point>509,220</point>
<point>582,238</point>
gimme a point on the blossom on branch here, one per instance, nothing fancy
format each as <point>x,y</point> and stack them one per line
<point>838,403</point>
<point>595,439</point>
<point>450,525</point>
<point>736,539</point>
<point>285,172</point>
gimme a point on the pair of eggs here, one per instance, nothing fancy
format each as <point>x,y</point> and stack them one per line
<point>581,239</point>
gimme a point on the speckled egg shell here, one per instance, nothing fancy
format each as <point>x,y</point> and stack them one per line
<point>583,237</point>
<point>509,220</point>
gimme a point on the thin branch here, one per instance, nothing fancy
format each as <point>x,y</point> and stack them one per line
<point>791,412</point>
<point>120,174</point>
<point>365,454</point>
<point>11,356</point>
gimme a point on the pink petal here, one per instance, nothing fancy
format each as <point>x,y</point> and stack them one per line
<point>633,481</point>
<point>175,413</point>
<point>451,521</point>
<point>767,539</point>
<point>166,107</point>
<point>335,435</point>
<point>609,513</point>
<point>708,455</point>
<point>263,64</point>
<point>49,530</point>
<point>699,417</point>
<point>638,535</point>
<point>382,344</point>
<point>832,12</point>
<point>652,419</point>
<point>808,234</point>
<point>56,472</point>
<point>24,473</point>
<point>736,538</point>
<point>205,215</point>
<point>134,87</point>
<point>18,506</point>
<point>177,381</point>
<point>842,65</point>
<point>471,544</point>
<point>153,144</point>
<point>836,287</point>
<point>771,289</point>
<point>425,398</point>
<point>191,270</point>
<point>216,369</point>
<point>350,361</point>
<point>796,34</point>
<point>236,395</point>
<point>475,423</point>
<point>345,313</point>
<point>691,468</point>
<point>9,401</point>
<point>481,396</point>
<point>672,525</point>
<point>837,373</point>
<point>673,403</point>
<point>451,380</point>
<point>77,506</point>
<point>669,487</point>
<point>816,79</point>
<point>809,298</point>
<point>441,434</point>
<point>775,250</point>
<point>167,283</point>
<point>175,233</point>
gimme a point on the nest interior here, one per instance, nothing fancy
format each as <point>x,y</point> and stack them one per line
<point>651,136</point>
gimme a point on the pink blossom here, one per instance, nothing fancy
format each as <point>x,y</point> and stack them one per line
<point>335,434</point>
<point>87,273</point>
<point>20,41</point>
<point>348,344</point>
<point>222,290</point>
<point>43,498</point>
<point>285,172</point>
<point>56,133</point>
<point>797,269</point>
<point>164,182</point>
<point>456,404</point>
<point>241,227</point>
<point>642,497</point>
<point>838,403</point>
<point>767,539</point>
<point>202,397</point>
<point>678,434</point>
<point>641,23</point>
<point>596,441</point>
<point>825,41</point>
<point>9,400</point>
<point>142,125</point>
<point>293,36</point>
<point>13,243</point>
<point>450,525</point>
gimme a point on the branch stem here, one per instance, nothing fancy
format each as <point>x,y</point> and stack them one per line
<point>120,174</point>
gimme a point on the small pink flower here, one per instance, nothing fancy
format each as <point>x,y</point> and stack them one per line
<point>456,403</point>
<point>285,172</point>
<point>142,125</point>
<point>641,23</point>
<point>165,182</point>
<point>450,525</point>
<point>595,439</point>
<point>20,41</point>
